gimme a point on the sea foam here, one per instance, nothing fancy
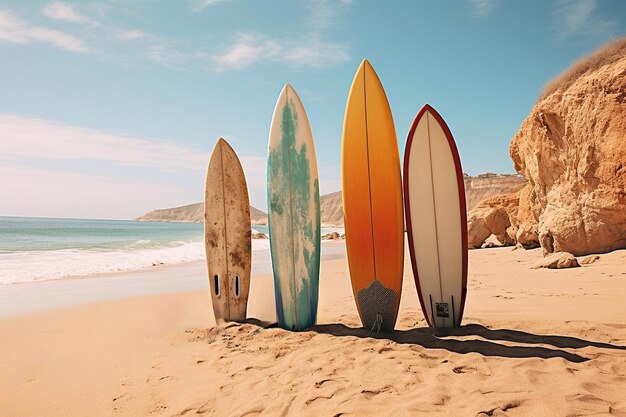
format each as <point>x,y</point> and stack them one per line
<point>29,266</point>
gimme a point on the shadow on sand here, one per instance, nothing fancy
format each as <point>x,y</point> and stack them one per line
<point>441,339</point>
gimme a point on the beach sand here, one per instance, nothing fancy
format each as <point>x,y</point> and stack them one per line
<point>533,343</point>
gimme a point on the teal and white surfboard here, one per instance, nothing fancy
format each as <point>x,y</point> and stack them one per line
<point>294,213</point>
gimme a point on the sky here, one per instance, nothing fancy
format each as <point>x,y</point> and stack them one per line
<point>109,108</point>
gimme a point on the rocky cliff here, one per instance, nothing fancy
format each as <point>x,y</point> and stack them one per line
<point>477,189</point>
<point>572,149</point>
<point>487,185</point>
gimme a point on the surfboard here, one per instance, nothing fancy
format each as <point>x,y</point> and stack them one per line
<point>227,234</point>
<point>436,219</point>
<point>372,202</point>
<point>293,213</point>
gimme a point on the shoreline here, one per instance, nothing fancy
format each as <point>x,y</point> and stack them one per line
<point>32,296</point>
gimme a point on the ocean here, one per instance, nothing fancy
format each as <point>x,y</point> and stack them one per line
<point>39,249</point>
<point>42,249</point>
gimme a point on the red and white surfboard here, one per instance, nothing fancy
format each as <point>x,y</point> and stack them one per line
<point>436,219</point>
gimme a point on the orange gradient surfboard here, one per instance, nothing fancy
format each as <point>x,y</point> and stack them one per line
<point>372,201</point>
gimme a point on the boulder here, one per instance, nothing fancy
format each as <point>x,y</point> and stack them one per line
<point>518,246</point>
<point>331,236</point>
<point>557,261</point>
<point>493,216</point>
<point>589,259</point>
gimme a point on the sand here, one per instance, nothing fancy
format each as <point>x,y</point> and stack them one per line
<point>534,343</point>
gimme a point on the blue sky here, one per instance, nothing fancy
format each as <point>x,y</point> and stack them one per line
<point>111,108</point>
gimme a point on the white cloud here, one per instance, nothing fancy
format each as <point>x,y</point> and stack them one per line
<point>251,48</point>
<point>312,48</point>
<point>166,54</point>
<point>247,49</point>
<point>199,5</point>
<point>317,53</point>
<point>29,191</point>
<point>17,31</point>
<point>309,49</point>
<point>53,169</point>
<point>481,8</point>
<point>35,139</point>
<point>131,35</point>
<point>65,12</point>
<point>581,17</point>
<point>323,13</point>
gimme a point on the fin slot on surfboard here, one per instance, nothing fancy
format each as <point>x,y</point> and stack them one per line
<point>216,284</point>
<point>237,285</point>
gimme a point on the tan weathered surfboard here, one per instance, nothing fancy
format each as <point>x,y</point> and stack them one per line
<point>227,234</point>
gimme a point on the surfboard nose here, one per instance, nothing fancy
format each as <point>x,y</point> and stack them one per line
<point>220,142</point>
<point>366,65</point>
<point>289,93</point>
<point>287,89</point>
<point>224,145</point>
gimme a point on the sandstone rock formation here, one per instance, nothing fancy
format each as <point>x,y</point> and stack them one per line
<point>588,260</point>
<point>487,185</point>
<point>557,261</point>
<point>572,150</point>
<point>493,216</point>
<point>477,189</point>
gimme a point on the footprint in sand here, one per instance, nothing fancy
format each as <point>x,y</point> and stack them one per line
<point>203,409</point>
<point>587,399</point>
<point>120,401</point>
<point>499,410</point>
<point>425,356</point>
<point>156,381</point>
<point>322,382</point>
<point>369,394</point>
<point>504,297</point>
<point>463,370</point>
<point>321,397</point>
